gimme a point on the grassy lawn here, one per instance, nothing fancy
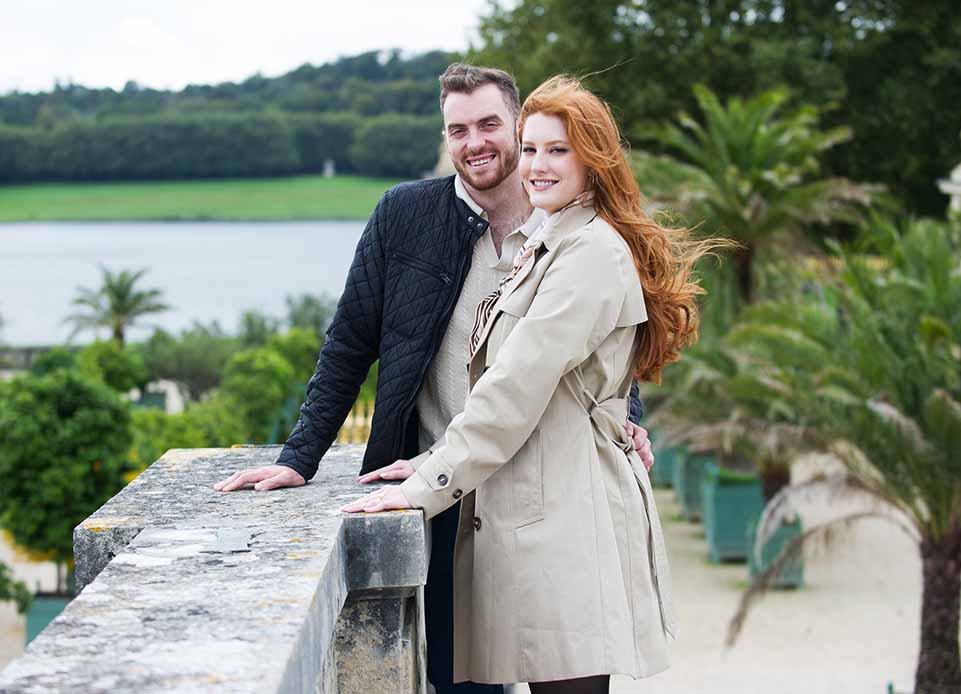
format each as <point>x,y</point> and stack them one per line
<point>299,197</point>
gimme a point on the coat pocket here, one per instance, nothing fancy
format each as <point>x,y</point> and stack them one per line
<point>527,482</point>
<point>503,325</point>
<point>505,319</point>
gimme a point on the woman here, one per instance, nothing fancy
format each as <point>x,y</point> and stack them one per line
<point>561,576</point>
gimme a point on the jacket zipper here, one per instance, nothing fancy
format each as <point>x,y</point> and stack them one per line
<point>408,409</point>
<point>423,265</point>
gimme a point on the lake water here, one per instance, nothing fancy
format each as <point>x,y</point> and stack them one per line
<point>206,270</point>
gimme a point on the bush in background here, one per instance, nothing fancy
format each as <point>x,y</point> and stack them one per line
<point>64,439</point>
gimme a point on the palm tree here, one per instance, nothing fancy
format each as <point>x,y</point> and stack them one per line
<point>751,172</point>
<point>888,394</point>
<point>726,400</point>
<point>116,305</point>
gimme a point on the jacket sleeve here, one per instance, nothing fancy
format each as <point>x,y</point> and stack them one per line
<point>576,307</point>
<point>351,345</point>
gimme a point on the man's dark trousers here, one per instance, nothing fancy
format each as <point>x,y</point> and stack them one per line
<point>439,609</point>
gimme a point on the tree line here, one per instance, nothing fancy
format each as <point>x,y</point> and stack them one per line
<point>350,112</point>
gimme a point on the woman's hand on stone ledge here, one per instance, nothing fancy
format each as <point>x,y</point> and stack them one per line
<point>263,478</point>
<point>398,470</point>
<point>384,499</point>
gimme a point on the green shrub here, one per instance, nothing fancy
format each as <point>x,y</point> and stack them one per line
<point>64,439</point>
<point>15,591</point>
<point>257,382</point>
<point>194,361</point>
<point>155,432</point>
<point>120,368</point>
<point>53,360</point>
<point>300,347</point>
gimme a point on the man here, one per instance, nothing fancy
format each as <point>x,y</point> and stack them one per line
<point>430,252</point>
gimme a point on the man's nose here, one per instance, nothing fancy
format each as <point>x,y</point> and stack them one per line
<point>476,141</point>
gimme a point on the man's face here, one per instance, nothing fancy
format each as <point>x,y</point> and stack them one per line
<point>480,137</point>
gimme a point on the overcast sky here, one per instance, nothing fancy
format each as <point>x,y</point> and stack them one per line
<point>172,43</point>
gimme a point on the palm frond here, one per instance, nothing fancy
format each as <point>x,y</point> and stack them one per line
<point>767,579</point>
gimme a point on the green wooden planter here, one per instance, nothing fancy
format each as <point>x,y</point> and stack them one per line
<point>730,502</point>
<point>665,462</point>
<point>151,400</point>
<point>792,575</point>
<point>688,471</point>
<point>43,611</point>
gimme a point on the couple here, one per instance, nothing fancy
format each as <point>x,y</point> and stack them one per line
<point>544,527</point>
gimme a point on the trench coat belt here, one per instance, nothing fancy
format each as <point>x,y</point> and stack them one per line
<point>609,417</point>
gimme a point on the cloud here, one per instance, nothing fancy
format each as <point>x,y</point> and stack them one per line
<point>176,42</point>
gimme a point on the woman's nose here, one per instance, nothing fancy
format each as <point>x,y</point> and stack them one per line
<point>539,163</point>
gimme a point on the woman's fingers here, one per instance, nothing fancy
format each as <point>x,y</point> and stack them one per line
<point>386,499</point>
<point>398,470</point>
<point>370,476</point>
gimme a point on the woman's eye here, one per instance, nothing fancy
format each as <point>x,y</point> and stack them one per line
<point>559,150</point>
<point>527,150</point>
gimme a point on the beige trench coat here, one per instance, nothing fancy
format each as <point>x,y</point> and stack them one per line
<point>560,569</point>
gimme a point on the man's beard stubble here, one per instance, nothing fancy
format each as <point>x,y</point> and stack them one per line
<point>506,164</point>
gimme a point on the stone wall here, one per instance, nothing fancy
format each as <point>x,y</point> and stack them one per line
<point>190,590</point>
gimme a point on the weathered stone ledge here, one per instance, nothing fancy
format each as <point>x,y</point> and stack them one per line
<point>192,590</point>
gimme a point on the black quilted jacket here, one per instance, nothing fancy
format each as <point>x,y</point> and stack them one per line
<point>403,283</point>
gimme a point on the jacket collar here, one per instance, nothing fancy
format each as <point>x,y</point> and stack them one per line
<point>556,226</point>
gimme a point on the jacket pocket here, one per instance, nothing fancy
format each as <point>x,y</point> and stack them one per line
<point>422,265</point>
<point>527,482</point>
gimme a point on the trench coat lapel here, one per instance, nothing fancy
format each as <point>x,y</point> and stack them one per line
<point>544,240</point>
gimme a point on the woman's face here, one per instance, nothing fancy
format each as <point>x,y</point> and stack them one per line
<point>552,174</point>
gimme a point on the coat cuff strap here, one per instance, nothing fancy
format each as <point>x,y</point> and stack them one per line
<point>420,460</point>
<point>430,487</point>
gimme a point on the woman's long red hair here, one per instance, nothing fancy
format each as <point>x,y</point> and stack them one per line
<point>664,257</point>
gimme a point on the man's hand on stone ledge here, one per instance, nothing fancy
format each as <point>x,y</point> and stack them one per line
<point>642,444</point>
<point>398,470</point>
<point>263,478</point>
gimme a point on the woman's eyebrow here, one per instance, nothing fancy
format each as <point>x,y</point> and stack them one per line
<point>550,142</point>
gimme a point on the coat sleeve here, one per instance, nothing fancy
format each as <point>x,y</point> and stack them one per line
<point>351,345</point>
<point>576,307</point>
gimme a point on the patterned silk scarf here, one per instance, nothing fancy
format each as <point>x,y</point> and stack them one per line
<point>533,244</point>
<point>485,307</point>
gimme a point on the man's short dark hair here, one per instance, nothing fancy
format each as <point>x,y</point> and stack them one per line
<point>460,78</point>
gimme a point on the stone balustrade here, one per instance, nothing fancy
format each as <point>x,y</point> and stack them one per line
<point>190,590</point>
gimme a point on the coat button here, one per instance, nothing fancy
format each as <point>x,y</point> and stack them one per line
<point>457,494</point>
<point>477,523</point>
<point>480,225</point>
<point>442,480</point>
<point>470,219</point>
